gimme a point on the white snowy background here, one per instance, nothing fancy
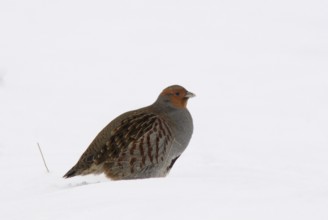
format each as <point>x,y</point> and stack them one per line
<point>260,72</point>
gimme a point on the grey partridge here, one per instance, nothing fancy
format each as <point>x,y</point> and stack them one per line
<point>143,143</point>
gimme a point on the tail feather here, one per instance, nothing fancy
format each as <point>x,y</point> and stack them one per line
<point>84,169</point>
<point>70,173</point>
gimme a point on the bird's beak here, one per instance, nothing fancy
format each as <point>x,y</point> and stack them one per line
<point>190,95</point>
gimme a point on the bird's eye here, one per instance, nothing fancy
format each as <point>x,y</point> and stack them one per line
<point>177,93</point>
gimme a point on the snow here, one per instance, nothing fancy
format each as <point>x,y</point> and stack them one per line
<point>260,72</point>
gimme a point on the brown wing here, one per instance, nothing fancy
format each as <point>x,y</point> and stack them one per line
<point>141,135</point>
<point>138,146</point>
<point>127,131</point>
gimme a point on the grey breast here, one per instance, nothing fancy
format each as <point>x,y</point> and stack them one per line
<point>182,129</point>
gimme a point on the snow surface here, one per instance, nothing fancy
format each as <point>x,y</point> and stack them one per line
<point>260,72</point>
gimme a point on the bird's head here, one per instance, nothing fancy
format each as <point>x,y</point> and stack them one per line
<point>175,95</point>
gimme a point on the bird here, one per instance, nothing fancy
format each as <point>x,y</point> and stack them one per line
<point>142,143</point>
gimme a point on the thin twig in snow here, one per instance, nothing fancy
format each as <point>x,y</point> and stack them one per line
<point>44,161</point>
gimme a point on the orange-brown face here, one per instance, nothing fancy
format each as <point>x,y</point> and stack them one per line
<point>178,95</point>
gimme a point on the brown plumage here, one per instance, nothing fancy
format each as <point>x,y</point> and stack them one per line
<point>142,143</point>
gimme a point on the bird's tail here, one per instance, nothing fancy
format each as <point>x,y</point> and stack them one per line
<point>72,172</point>
<point>82,169</point>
